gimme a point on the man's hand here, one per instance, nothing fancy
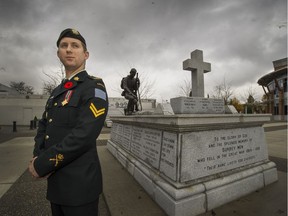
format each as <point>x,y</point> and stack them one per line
<point>32,169</point>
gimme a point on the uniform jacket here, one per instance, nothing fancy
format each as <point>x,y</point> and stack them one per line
<point>65,144</point>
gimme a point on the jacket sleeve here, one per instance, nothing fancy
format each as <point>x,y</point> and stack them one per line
<point>39,138</point>
<point>93,110</point>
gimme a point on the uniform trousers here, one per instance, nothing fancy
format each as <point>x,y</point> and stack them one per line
<point>90,209</point>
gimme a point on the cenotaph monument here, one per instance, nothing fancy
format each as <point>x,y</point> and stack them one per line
<point>198,158</point>
<point>197,104</point>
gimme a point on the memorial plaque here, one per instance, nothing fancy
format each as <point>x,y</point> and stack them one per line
<point>124,142</point>
<point>126,136</point>
<point>168,163</point>
<point>146,144</point>
<point>114,135</point>
<point>197,105</point>
<point>121,134</point>
<point>208,152</point>
<point>151,146</point>
<point>119,129</point>
<point>127,131</point>
<point>136,141</point>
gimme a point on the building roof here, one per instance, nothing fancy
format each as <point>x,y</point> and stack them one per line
<point>7,90</point>
<point>280,69</point>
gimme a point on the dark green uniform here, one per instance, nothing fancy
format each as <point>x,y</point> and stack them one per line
<point>66,140</point>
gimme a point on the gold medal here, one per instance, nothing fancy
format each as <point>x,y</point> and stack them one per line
<point>64,102</point>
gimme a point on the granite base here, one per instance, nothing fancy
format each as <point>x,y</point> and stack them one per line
<point>201,196</point>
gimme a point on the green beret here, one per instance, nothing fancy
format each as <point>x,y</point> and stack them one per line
<point>71,33</point>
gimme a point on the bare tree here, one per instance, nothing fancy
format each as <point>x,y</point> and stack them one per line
<point>146,89</point>
<point>22,88</point>
<point>223,91</point>
<point>185,88</point>
<point>48,88</point>
<point>54,79</point>
<point>250,91</point>
<point>249,97</point>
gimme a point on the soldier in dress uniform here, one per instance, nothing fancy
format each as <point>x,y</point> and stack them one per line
<point>65,145</point>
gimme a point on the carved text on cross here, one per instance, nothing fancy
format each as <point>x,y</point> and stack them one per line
<point>197,67</point>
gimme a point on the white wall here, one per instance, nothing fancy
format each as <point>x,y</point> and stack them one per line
<point>23,109</point>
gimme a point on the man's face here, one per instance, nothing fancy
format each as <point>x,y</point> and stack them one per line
<point>71,53</point>
<point>132,74</point>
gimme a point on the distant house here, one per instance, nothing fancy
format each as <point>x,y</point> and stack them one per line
<point>5,90</point>
<point>274,85</point>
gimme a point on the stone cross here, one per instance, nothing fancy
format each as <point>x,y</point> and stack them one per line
<point>197,68</point>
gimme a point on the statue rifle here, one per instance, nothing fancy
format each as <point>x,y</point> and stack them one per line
<point>138,93</point>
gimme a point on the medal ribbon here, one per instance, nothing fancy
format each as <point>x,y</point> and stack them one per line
<point>67,97</point>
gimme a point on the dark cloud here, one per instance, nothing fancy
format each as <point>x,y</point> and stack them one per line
<point>239,38</point>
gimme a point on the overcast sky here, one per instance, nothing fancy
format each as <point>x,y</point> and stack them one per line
<point>240,38</point>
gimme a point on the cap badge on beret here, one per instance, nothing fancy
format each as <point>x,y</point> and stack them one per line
<point>74,31</point>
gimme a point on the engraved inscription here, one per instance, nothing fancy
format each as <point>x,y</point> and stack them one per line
<point>206,153</point>
<point>203,105</point>
<point>168,163</point>
<point>126,136</point>
<point>136,146</point>
<point>151,146</point>
<point>121,134</point>
<point>113,136</point>
<point>146,144</point>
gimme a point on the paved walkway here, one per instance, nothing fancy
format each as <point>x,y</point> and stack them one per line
<point>20,195</point>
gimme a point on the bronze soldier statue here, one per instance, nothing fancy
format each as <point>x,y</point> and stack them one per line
<point>130,84</point>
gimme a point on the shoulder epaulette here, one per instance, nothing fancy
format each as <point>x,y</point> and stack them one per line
<point>99,81</point>
<point>94,78</point>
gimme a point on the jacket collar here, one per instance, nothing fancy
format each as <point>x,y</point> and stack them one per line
<point>70,84</point>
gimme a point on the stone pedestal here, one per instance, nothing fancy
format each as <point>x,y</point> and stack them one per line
<point>191,163</point>
<point>197,105</point>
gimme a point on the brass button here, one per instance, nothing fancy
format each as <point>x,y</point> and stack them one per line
<point>50,120</point>
<point>55,104</point>
<point>46,137</point>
